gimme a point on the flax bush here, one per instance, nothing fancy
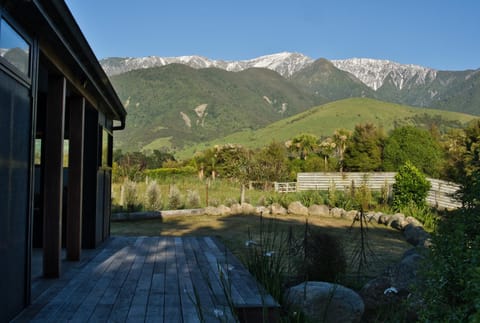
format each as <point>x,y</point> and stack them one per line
<point>130,195</point>
<point>153,197</point>
<point>175,198</point>
<point>193,199</point>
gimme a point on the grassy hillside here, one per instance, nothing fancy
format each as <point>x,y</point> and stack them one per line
<point>176,105</point>
<point>322,79</point>
<point>325,119</point>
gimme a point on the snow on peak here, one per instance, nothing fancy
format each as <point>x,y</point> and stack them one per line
<point>284,63</point>
<point>374,72</point>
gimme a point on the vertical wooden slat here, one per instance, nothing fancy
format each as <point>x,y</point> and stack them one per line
<point>53,182</point>
<point>75,179</point>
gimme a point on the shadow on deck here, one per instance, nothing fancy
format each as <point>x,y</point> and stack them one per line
<point>153,279</point>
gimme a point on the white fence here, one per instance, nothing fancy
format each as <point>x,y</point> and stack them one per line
<point>440,194</point>
<point>285,187</point>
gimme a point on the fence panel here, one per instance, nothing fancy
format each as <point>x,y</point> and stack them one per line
<point>440,194</point>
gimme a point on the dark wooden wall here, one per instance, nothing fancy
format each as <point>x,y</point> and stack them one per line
<point>15,168</point>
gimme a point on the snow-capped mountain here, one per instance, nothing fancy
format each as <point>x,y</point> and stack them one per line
<point>374,72</point>
<point>284,63</point>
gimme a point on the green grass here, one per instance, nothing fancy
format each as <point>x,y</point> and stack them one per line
<point>220,191</point>
<point>325,119</point>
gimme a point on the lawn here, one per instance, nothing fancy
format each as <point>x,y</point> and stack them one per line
<point>385,245</point>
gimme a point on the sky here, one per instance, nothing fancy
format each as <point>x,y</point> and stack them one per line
<point>440,34</point>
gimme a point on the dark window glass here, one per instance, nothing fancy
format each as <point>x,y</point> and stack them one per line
<point>14,48</point>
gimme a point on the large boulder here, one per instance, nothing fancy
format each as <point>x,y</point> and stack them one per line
<point>319,210</point>
<point>393,286</point>
<point>384,218</point>
<point>397,221</point>
<point>412,220</point>
<point>248,208</point>
<point>337,212</point>
<point>326,302</point>
<point>236,208</point>
<point>297,208</point>
<point>416,235</point>
<point>277,209</point>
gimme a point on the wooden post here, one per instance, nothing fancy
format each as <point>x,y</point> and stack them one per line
<point>53,179</point>
<point>206,194</point>
<point>75,179</point>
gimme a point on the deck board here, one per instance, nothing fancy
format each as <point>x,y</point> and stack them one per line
<point>150,279</point>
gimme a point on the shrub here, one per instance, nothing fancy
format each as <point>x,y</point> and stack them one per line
<point>129,189</point>
<point>284,199</point>
<point>164,173</point>
<point>262,200</point>
<point>213,202</point>
<point>363,197</point>
<point>309,198</point>
<point>175,198</point>
<point>153,197</point>
<point>411,185</point>
<point>324,257</point>
<point>332,195</point>
<point>230,201</point>
<point>193,199</point>
<point>450,284</point>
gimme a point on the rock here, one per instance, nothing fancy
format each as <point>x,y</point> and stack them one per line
<point>297,208</point>
<point>383,219</point>
<point>326,302</point>
<point>277,209</point>
<point>351,215</point>
<point>214,211</point>
<point>236,209</point>
<point>397,221</point>
<point>412,220</point>
<point>337,212</point>
<point>259,210</point>
<point>371,216</point>
<point>319,210</point>
<point>393,286</point>
<point>248,208</point>
<point>224,210</point>
<point>415,235</point>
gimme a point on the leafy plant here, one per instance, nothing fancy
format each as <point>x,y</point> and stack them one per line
<point>324,257</point>
<point>411,186</point>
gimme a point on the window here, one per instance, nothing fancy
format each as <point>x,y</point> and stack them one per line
<point>14,48</point>
<point>106,149</point>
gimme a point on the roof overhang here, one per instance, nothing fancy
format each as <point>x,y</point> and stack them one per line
<point>61,39</point>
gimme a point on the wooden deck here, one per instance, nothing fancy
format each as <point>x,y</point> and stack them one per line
<point>153,279</point>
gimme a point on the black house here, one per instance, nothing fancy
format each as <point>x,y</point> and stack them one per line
<point>58,115</point>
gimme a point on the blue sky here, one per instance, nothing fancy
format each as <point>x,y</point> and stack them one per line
<point>442,34</point>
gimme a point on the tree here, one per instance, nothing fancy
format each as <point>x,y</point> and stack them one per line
<point>411,186</point>
<point>340,137</point>
<point>415,145</point>
<point>303,145</point>
<point>326,148</point>
<point>468,166</point>
<point>364,152</point>
<point>450,278</point>
<point>270,163</point>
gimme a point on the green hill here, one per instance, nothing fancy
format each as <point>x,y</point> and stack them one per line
<point>176,105</point>
<point>325,119</point>
<point>322,79</point>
